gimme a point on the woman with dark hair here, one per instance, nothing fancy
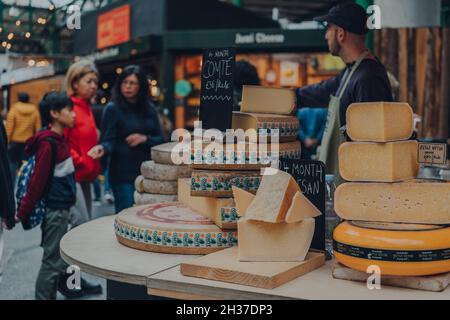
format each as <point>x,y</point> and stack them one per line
<point>130,127</point>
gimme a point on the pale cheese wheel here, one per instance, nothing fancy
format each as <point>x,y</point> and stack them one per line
<point>170,228</point>
<point>163,153</point>
<point>147,198</point>
<point>164,172</point>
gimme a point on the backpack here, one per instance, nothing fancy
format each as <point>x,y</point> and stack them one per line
<point>24,177</point>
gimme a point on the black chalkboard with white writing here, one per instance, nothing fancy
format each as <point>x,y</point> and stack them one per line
<point>310,176</point>
<point>216,97</point>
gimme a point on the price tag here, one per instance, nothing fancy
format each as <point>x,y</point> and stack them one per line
<point>432,153</point>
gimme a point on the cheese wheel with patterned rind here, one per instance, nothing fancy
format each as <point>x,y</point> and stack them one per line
<point>395,252</point>
<point>170,228</point>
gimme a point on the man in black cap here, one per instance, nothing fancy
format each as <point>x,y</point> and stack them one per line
<point>363,80</point>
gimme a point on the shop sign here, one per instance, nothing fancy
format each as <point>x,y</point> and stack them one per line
<point>104,54</point>
<point>310,177</point>
<point>113,27</point>
<point>259,38</point>
<point>432,153</point>
<point>216,97</point>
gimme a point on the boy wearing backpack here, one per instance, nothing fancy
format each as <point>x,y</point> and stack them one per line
<point>52,181</point>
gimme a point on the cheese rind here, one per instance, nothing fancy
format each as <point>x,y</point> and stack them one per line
<point>273,198</point>
<point>147,198</point>
<point>378,162</point>
<point>264,241</point>
<point>301,208</point>
<point>396,253</point>
<point>164,172</point>
<point>379,121</point>
<point>405,202</point>
<point>243,199</point>
<point>221,211</point>
<point>268,100</point>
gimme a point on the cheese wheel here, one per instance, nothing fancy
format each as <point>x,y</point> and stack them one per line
<point>379,121</point>
<point>395,252</point>
<point>219,184</point>
<point>147,198</point>
<point>378,162</point>
<point>139,184</point>
<point>170,228</point>
<point>164,172</point>
<point>163,153</point>
<point>405,202</point>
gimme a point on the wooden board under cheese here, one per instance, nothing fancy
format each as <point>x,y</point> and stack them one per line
<point>147,198</point>
<point>379,121</point>
<point>251,160</point>
<point>224,266</point>
<point>273,198</point>
<point>404,202</point>
<point>155,187</point>
<point>265,241</point>
<point>378,162</point>
<point>268,100</point>
<point>287,126</point>
<point>218,184</point>
<point>221,211</point>
<point>164,172</point>
<point>170,228</point>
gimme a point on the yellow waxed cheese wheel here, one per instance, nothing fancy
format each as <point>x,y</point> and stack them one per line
<point>396,252</point>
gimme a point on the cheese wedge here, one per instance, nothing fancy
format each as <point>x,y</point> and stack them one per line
<point>301,209</point>
<point>263,241</point>
<point>379,121</point>
<point>221,211</point>
<point>273,198</point>
<point>243,199</point>
<point>268,100</point>
<point>405,202</point>
<point>378,162</point>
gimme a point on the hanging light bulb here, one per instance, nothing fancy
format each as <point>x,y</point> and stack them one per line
<point>10,36</point>
<point>18,23</point>
<point>8,46</point>
<point>4,44</point>
<point>27,35</point>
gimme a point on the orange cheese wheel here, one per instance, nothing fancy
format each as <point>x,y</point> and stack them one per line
<point>396,252</point>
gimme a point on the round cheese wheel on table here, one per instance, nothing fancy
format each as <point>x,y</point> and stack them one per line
<point>397,249</point>
<point>149,198</point>
<point>170,228</point>
<point>155,186</point>
<point>163,153</point>
<point>164,172</point>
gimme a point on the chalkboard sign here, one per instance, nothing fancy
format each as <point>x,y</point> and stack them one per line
<point>216,97</point>
<point>310,176</point>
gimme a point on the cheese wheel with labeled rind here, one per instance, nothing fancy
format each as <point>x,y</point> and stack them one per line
<point>378,162</point>
<point>218,184</point>
<point>147,198</point>
<point>170,228</point>
<point>395,252</point>
<point>379,121</point>
<point>164,172</point>
<point>405,202</point>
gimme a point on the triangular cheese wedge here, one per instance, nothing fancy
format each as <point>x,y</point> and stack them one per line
<point>301,209</point>
<point>273,198</point>
<point>242,199</point>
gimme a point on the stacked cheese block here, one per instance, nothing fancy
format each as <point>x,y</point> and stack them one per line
<point>393,221</point>
<point>277,223</point>
<point>158,181</point>
<point>239,165</point>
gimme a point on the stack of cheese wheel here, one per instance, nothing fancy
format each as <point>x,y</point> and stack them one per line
<point>158,181</point>
<point>393,221</point>
<point>239,165</point>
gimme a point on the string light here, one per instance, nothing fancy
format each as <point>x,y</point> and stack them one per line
<point>4,44</point>
<point>10,36</point>
<point>18,23</point>
<point>154,82</point>
<point>119,70</point>
<point>51,8</point>
<point>27,35</point>
<point>105,86</point>
<point>8,46</point>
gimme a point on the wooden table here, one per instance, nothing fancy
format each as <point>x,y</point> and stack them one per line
<point>94,248</point>
<point>317,285</point>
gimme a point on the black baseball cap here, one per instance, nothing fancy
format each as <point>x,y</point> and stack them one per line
<point>349,16</point>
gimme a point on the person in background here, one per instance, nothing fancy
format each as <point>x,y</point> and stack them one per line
<point>363,80</point>
<point>312,126</point>
<point>57,114</point>
<point>22,122</point>
<point>244,74</point>
<point>7,202</point>
<point>81,84</point>
<point>130,128</point>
